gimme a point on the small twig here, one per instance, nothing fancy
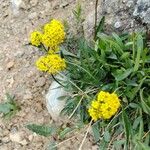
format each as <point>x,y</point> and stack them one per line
<point>76,107</point>
<point>146,134</point>
<point>44,48</point>
<point>80,148</point>
<point>64,141</point>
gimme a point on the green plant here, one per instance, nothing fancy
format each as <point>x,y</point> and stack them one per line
<point>112,63</point>
<point>10,107</point>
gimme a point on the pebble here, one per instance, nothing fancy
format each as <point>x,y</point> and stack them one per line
<point>130,4</point>
<point>10,65</point>
<point>38,107</point>
<point>1,68</point>
<point>15,137</point>
<point>30,137</point>
<point>117,24</point>
<point>33,2</point>
<point>23,142</point>
<point>27,95</point>
<point>41,81</point>
<point>5,139</point>
<point>19,54</point>
<point>32,15</point>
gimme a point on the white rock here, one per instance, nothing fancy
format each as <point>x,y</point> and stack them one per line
<point>54,105</point>
<point>33,2</point>
<point>117,24</point>
<point>15,137</point>
<point>15,6</point>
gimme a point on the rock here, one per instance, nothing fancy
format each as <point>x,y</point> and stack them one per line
<point>41,81</point>
<point>18,138</point>
<point>15,6</point>
<point>30,137</point>
<point>10,65</point>
<point>54,105</point>
<point>142,10</point>
<point>32,15</point>
<point>5,139</point>
<point>4,147</point>
<point>24,142</point>
<point>10,81</point>
<point>15,137</point>
<point>27,95</point>
<point>19,54</point>
<point>130,3</point>
<point>33,2</point>
<point>38,107</point>
<point>117,24</point>
<point>95,147</point>
<point>63,5</point>
<point>1,68</point>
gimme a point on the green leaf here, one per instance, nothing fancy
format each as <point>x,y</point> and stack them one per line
<point>118,40</point>
<point>143,146</point>
<point>52,146</point>
<point>118,144</point>
<point>100,26</point>
<point>122,76</point>
<point>145,107</point>
<point>136,122</point>
<point>107,136</point>
<point>139,52</point>
<point>65,131</point>
<point>5,108</point>
<point>127,126</point>
<point>96,132</point>
<point>67,53</point>
<point>41,129</point>
<point>141,129</point>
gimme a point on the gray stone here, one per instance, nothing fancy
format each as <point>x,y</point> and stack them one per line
<point>130,3</point>
<point>142,10</point>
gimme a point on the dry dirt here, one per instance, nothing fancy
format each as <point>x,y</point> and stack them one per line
<point>18,75</point>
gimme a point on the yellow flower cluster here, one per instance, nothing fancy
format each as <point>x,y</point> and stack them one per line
<point>52,36</point>
<point>36,38</point>
<point>105,106</point>
<point>51,63</point>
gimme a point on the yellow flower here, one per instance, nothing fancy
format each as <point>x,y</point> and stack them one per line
<point>105,106</point>
<point>54,34</point>
<point>36,38</point>
<point>51,63</point>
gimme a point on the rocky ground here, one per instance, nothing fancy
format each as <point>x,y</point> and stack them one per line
<point>18,75</point>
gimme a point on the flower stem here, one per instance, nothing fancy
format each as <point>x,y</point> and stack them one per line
<point>57,80</point>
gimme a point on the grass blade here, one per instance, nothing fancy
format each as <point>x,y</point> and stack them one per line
<point>139,52</point>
